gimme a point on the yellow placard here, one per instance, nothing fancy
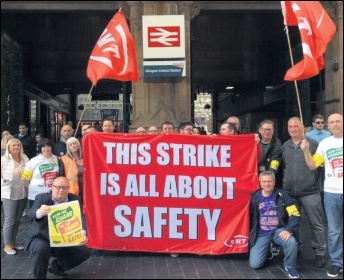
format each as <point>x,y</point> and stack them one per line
<point>65,226</point>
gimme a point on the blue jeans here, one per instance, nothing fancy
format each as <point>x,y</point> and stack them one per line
<point>333,203</point>
<point>261,248</point>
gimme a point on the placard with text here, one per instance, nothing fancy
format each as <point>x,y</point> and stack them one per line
<point>65,225</point>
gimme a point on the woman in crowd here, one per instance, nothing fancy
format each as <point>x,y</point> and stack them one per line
<point>13,193</point>
<point>197,130</point>
<point>41,170</point>
<point>6,136</point>
<point>73,166</point>
<point>108,125</point>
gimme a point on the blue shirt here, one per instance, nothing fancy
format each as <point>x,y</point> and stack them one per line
<point>268,218</point>
<point>318,135</point>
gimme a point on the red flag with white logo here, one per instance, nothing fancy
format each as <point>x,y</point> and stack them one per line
<point>114,55</point>
<point>316,30</point>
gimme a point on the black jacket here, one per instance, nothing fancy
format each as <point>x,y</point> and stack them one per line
<point>272,159</point>
<point>59,149</point>
<point>298,179</point>
<point>39,227</point>
<point>273,152</point>
<point>287,212</point>
<point>29,145</point>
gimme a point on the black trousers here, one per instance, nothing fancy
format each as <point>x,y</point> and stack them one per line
<point>66,258</point>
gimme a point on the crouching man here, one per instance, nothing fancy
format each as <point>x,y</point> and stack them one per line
<point>275,217</point>
<point>44,258</point>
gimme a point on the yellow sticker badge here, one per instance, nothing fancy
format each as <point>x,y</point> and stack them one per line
<point>26,175</point>
<point>293,211</point>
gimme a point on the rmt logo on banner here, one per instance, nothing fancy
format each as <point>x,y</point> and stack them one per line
<point>164,36</point>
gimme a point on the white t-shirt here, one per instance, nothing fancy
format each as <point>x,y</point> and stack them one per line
<point>330,153</point>
<point>41,172</point>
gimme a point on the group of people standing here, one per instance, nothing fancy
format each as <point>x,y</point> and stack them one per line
<point>46,173</point>
<point>301,159</point>
<point>196,130</point>
<point>30,178</point>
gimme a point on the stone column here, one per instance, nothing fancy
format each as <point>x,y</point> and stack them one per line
<point>156,100</point>
<point>332,100</point>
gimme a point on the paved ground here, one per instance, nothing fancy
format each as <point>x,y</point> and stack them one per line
<point>134,265</point>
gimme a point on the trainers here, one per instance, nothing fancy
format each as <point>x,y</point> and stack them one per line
<point>269,256</point>
<point>335,270</point>
<point>12,252</point>
<point>275,249</point>
<point>174,255</point>
<point>320,261</point>
<point>292,272</point>
<point>59,273</point>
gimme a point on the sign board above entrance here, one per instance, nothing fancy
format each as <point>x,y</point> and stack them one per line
<point>164,68</point>
<point>163,37</point>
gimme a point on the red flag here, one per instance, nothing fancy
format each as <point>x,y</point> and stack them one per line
<point>114,55</point>
<point>316,30</point>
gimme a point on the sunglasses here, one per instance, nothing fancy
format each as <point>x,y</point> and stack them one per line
<point>319,122</point>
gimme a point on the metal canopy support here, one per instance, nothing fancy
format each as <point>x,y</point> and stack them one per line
<point>126,108</point>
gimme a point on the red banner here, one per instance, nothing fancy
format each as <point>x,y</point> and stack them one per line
<point>169,192</point>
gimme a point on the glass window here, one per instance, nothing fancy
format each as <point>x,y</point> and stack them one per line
<point>33,117</point>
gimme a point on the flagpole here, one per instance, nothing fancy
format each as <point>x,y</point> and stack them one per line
<point>82,113</point>
<point>295,83</point>
<point>125,108</point>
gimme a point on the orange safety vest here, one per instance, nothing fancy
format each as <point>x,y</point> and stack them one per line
<point>71,173</point>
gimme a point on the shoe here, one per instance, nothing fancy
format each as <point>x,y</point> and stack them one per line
<point>59,274</point>
<point>275,250</point>
<point>13,252</point>
<point>299,249</point>
<point>292,272</point>
<point>174,255</point>
<point>19,248</point>
<point>269,256</point>
<point>320,261</point>
<point>335,270</point>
